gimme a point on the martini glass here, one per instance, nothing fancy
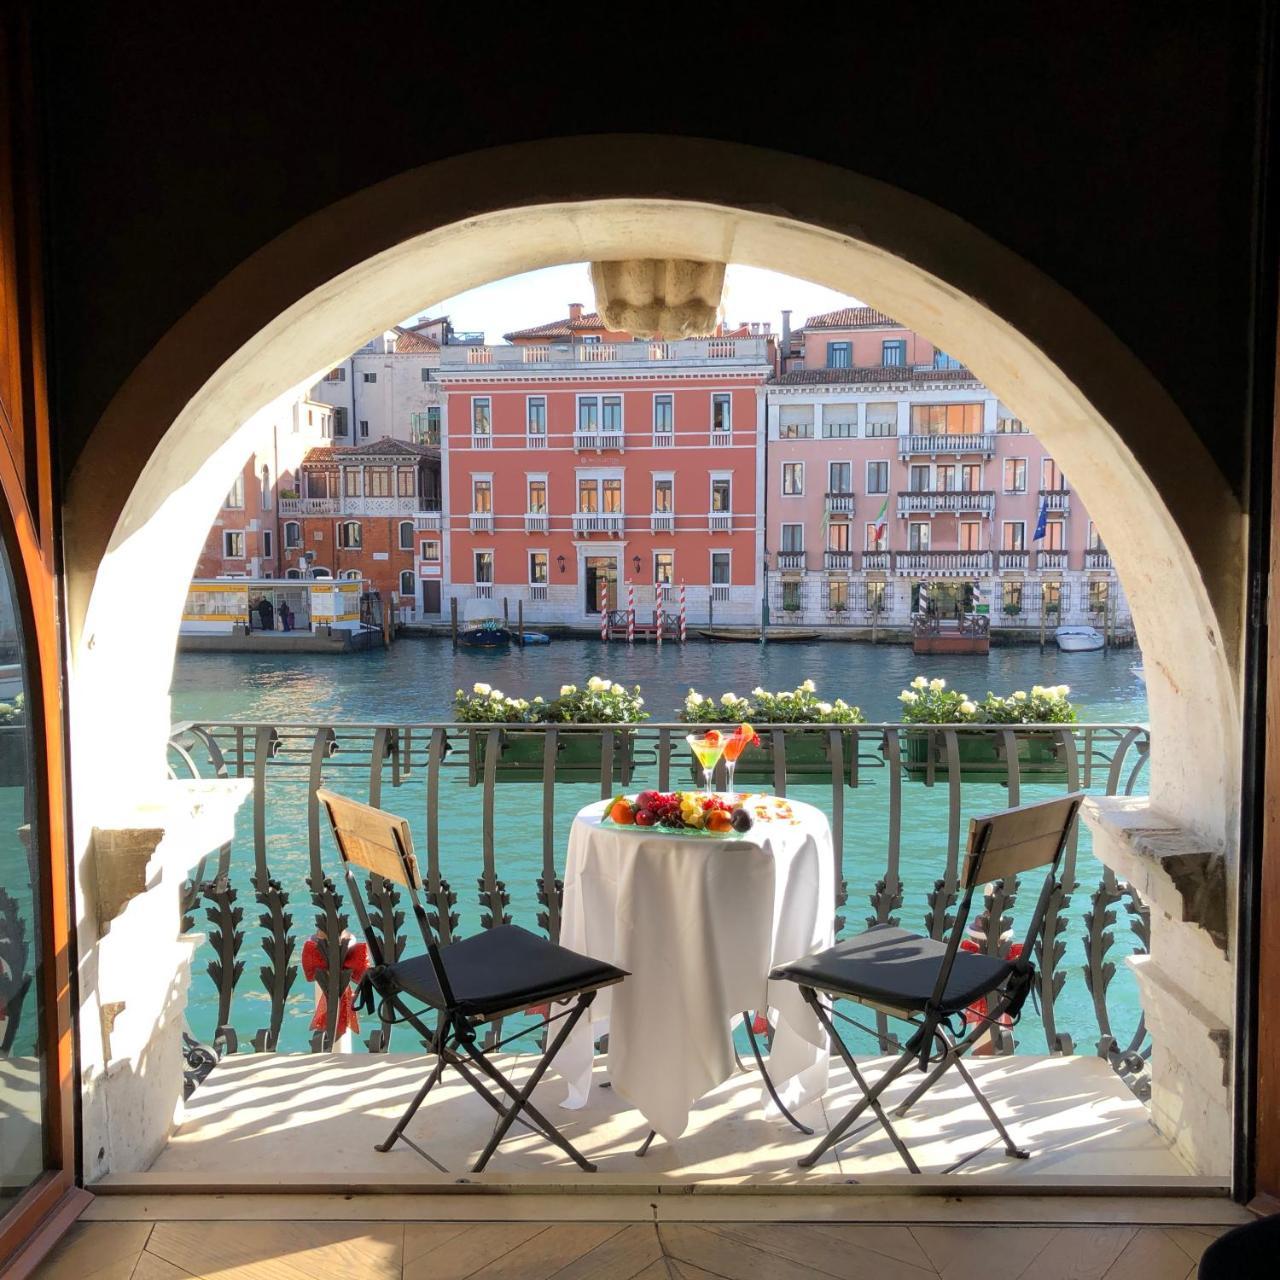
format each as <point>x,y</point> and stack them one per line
<point>706,754</point>
<point>734,745</point>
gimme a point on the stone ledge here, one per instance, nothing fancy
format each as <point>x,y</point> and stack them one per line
<point>1168,867</point>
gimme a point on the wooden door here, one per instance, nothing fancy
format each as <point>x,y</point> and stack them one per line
<point>37,1168</point>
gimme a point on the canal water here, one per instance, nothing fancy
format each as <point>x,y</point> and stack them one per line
<point>414,681</point>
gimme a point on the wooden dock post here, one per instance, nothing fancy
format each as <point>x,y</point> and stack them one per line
<point>711,609</point>
<point>453,619</point>
<point>1042,624</point>
<point>520,623</point>
<point>506,614</point>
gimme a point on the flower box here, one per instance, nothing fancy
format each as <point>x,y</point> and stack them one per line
<point>578,755</point>
<point>982,755</point>
<point>808,758</point>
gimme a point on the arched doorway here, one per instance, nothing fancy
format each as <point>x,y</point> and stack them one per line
<point>168,445</point>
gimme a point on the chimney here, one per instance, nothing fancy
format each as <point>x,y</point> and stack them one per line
<point>575,311</point>
<point>784,347</point>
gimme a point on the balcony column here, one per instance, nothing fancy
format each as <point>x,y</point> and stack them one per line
<point>989,407</point>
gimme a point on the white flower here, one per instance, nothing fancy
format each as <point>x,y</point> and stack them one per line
<point>824,708</point>
<point>841,704</point>
<point>567,689</point>
<point>1037,690</point>
<point>937,683</point>
<point>757,692</point>
<point>597,685</point>
<point>907,696</point>
<point>482,689</point>
<point>1019,696</point>
<point>919,682</point>
<point>727,698</point>
<point>639,702</point>
<point>967,708</point>
<point>538,698</point>
<point>808,686</point>
<point>1062,690</point>
<point>496,695</point>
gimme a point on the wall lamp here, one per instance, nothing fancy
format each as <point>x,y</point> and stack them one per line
<point>560,563</point>
<point>635,563</point>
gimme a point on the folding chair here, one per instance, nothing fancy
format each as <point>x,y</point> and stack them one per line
<point>925,983</point>
<point>469,983</point>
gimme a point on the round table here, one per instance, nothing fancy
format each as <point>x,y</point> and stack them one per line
<point>698,921</point>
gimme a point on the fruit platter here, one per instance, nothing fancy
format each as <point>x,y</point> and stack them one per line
<point>697,813</point>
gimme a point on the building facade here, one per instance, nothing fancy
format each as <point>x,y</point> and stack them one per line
<point>896,482</point>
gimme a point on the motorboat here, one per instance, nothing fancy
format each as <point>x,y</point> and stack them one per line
<point>535,637</point>
<point>483,626</point>
<point>1079,639</point>
<point>1138,671</point>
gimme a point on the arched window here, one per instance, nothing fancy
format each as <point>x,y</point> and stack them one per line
<point>406,535</point>
<point>320,572</point>
<point>292,534</point>
<point>349,535</point>
<point>350,574</point>
<point>293,573</point>
<point>406,584</point>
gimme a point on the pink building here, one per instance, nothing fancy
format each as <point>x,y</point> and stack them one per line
<point>894,476</point>
<point>578,464</point>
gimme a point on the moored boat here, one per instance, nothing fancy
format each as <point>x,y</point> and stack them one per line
<point>483,626</point>
<point>1079,639</point>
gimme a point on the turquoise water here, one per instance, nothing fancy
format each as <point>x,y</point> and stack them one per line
<point>414,682</point>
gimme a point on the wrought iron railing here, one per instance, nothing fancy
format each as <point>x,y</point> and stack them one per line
<point>431,772</point>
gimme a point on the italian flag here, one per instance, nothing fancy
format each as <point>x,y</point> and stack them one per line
<point>882,519</point>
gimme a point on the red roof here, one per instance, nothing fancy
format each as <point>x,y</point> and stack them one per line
<point>408,340</point>
<point>853,318</point>
<point>565,328</point>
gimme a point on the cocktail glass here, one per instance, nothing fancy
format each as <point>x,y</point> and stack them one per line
<point>706,754</point>
<point>734,745</point>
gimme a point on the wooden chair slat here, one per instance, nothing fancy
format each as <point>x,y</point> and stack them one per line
<point>371,838</point>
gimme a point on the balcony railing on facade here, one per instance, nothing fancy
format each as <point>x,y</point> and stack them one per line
<point>1098,560</point>
<point>664,439</point>
<point>1056,500</point>
<point>598,522</point>
<point>792,560</point>
<point>535,440</point>
<point>839,502</point>
<point>482,440</point>
<point>877,561</point>
<point>536,522</point>
<point>427,520</point>
<point>841,561</point>
<point>600,441</point>
<point>721,437</point>
<point>1012,560</point>
<point>352,505</point>
<point>662,522</point>
<point>481,522</point>
<point>959,501</point>
<point>943,564</point>
<point>1056,560</point>
<point>697,351</point>
<point>720,521</point>
<point>459,776</point>
<point>915,442</point>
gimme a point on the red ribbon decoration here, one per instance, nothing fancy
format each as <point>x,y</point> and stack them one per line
<point>356,963</point>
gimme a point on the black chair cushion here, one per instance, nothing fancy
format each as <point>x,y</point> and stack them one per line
<point>503,968</point>
<point>896,968</point>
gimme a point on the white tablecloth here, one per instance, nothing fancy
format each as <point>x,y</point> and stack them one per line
<point>698,922</point>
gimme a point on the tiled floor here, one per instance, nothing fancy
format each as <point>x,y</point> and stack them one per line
<point>312,1119</point>
<point>292,1250</point>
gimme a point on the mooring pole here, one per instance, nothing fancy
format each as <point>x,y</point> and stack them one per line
<point>520,621</point>
<point>453,619</point>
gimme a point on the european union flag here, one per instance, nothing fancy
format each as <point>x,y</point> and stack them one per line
<point>1042,521</point>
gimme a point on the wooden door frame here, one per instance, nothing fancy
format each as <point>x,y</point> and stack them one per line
<point>27,523</point>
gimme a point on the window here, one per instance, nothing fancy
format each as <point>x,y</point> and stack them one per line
<point>1051,597</point>
<point>235,498</point>
<point>339,421</point>
<point>795,422</point>
<point>1014,537</point>
<point>840,477</point>
<point>612,495</point>
<point>406,482</point>
<point>1015,475</point>
<point>878,536</point>
<point>792,539</point>
<point>839,355</point>
<point>536,415</point>
<point>1095,542</point>
<point>293,573</point>
<point>292,534</point>
<point>538,568</point>
<point>882,420</point>
<point>721,413</point>
<point>838,537</point>
<point>664,494</point>
<point>837,594</point>
<point>351,575</point>
<point>320,571</point>
<point>970,535</point>
<point>588,496</point>
<point>336,375</point>
<point>971,477</point>
<point>664,567</point>
<point>663,415</point>
<point>590,339</point>
<point>947,419</point>
<point>538,496</point>
<point>1011,597</point>
<point>1051,476</point>
<point>1010,426</point>
<point>1054,536</point>
<point>877,477</point>
<point>406,535</point>
<point>720,561</point>
<point>481,422</point>
<point>921,479</point>
<point>611,413</point>
<point>893,352</point>
<point>482,496</point>
<point>368,377</point>
<point>364,428</point>
<point>918,536</point>
<point>945,478</point>
<point>483,561</point>
<point>588,413</point>
<point>266,544</point>
<point>407,590</point>
<point>791,595</point>
<point>846,430</point>
<point>430,551</point>
<point>721,497</point>
<point>793,479</point>
<point>1099,595</point>
<point>349,535</point>
<point>351,482</point>
<point>311,418</point>
<point>377,482</point>
<point>943,361</point>
<point>876,601</point>
<point>233,546</point>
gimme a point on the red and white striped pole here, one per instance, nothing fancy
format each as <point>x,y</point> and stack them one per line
<point>604,612</point>
<point>631,613</point>
<point>657,613</point>
<point>683,622</point>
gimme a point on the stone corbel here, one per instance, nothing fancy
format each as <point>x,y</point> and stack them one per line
<point>659,297</point>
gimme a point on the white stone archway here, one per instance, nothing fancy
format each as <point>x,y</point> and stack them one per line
<point>1109,425</point>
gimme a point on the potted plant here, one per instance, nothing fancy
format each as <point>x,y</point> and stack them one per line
<point>13,743</point>
<point>982,755</point>
<point>1012,609</point>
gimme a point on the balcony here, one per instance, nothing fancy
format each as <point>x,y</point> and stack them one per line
<point>1098,560</point>
<point>537,593</point>
<point>720,521</point>
<point>482,591</point>
<point>663,522</point>
<point>1075,1106</point>
<point>427,521</point>
<point>599,441</point>
<point>877,561</point>
<point>535,440</point>
<point>368,505</point>
<point>948,501</point>
<point>598,522</point>
<point>536,522</point>
<point>1010,560</point>
<point>720,593</point>
<point>721,439</point>
<point>481,440</point>
<point>839,503</point>
<point>1056,500</point>
<point>838,560</point>
<point>1053,560</point>
<point>792,560</point>
<point>933,445</point>
<point>457,360</point>
<point>481,521</point>
<point>942,564</point>
<point>664,439</point>
<point>309,506</point>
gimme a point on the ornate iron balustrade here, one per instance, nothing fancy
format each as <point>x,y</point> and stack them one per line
<point>422,762</point>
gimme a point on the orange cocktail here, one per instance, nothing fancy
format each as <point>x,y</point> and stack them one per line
<point>735,744</point>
